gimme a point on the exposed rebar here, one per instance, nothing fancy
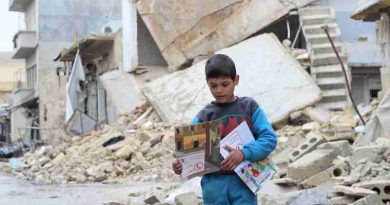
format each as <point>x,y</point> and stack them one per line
<point>326,29</point>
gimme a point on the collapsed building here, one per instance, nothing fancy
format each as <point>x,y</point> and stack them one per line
<point>105,76</point>
<point>46,27</point>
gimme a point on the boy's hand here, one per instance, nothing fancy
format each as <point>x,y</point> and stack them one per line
<point>234,158</point>
<point>176,166</point>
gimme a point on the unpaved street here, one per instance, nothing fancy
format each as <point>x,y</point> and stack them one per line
<point>14,191</point>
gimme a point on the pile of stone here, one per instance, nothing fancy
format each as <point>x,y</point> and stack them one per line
<point>322,151</point>
<point>120,153</point>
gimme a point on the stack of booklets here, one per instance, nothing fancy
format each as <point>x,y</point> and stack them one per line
<point>199,148</point>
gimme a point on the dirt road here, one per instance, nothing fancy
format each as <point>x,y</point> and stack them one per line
<point>14,191</point>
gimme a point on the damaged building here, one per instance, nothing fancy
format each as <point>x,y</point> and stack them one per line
<point>377,11</point>
<point>117,88</point>
<point>12,77</point>
<point>46,27</point>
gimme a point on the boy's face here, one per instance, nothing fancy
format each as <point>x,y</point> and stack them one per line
<point>222,88</point>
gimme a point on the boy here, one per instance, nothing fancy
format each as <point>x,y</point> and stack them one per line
<point>225,187</point>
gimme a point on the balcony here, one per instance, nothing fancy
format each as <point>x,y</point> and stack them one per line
<point>18,5</point>
<point>22,96</point>
<point>25,43</point>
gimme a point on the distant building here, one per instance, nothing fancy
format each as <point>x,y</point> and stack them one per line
<point>378,11</point>
<point>12,75</point>
<point>364,56</point>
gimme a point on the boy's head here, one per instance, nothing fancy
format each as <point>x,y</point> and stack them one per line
<point>221,77</point>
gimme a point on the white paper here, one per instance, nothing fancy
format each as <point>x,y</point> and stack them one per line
<point>192,163</point>
<point>236,139</point>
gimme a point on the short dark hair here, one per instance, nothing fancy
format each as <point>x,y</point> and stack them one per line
<point>220,65</point>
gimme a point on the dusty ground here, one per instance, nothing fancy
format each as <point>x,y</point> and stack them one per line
<point>14,191</point>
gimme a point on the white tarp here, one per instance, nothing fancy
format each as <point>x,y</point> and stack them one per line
<point>268,73</point>
<point>80,123</point>
<point>73,87</point>
<point>379,124</point>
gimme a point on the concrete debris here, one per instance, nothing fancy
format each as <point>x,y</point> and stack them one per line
<point>339,132</point>
<point>202,27</point>
<point>187,199</point>
<point>309,198</point>
<point>318,114</point>
<point>151,200</point>
<point>86,160</point>
<point>341,169</point>
<point>342,147</point>
<point>180,95</point>
<point>353,191</point>
<point>372,199</point>
<point>342,200</point>
<point>313,140</point>
<point>311,164</point>
<point>381,187</point>
<point>285,181</point>
<point>374,153</point>
<point>308,127</point>
<point>113,203</point>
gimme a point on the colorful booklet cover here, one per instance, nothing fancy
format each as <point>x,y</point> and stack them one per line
<point>252,173</point>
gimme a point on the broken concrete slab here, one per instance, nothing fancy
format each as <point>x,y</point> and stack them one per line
<point>353,191</point>
<point>318,114</point>
<point>340,169</point>
<point>180,95</point>
<point>339,132</point>
<point>311,164</point>
<point>342,147</point>
<point>202,27</point>
<point>277,199</point>
<point>123,94</point>
<point>372,199</point>
<point>312,141</point>
<point>371,152</point>
<point>189,198</point>
<point>342,200</point>
<point>151,200</point>
<point>381,187</point>
<point>309,197</point>
<point>311,126</point>
<point>285,182</point>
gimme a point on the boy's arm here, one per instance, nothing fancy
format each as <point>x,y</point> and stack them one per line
<point>265,136</point>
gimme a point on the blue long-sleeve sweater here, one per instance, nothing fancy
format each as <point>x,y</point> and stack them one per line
<point>232,114</point>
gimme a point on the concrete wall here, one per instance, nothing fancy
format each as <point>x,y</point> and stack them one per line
<point>19,120</point>
<point>52,106</point>
<point>351,30</point>
<point>148,52</point>
<point>114,59</point>
<point>365,84</point>
<point>60,22</point>
<point>31,16</point>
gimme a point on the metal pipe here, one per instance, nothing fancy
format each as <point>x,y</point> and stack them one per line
<point>326,29</point>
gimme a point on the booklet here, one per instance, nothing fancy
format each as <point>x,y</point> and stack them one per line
<point>197,147</point>
<point>252,173</point>
<point>200,150</point>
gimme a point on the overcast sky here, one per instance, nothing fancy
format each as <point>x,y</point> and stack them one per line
<point>9,26</point>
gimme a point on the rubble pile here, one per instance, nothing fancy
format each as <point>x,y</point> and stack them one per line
<point>113,154</point>
<point>319,152</point>
<point>315,147</point>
